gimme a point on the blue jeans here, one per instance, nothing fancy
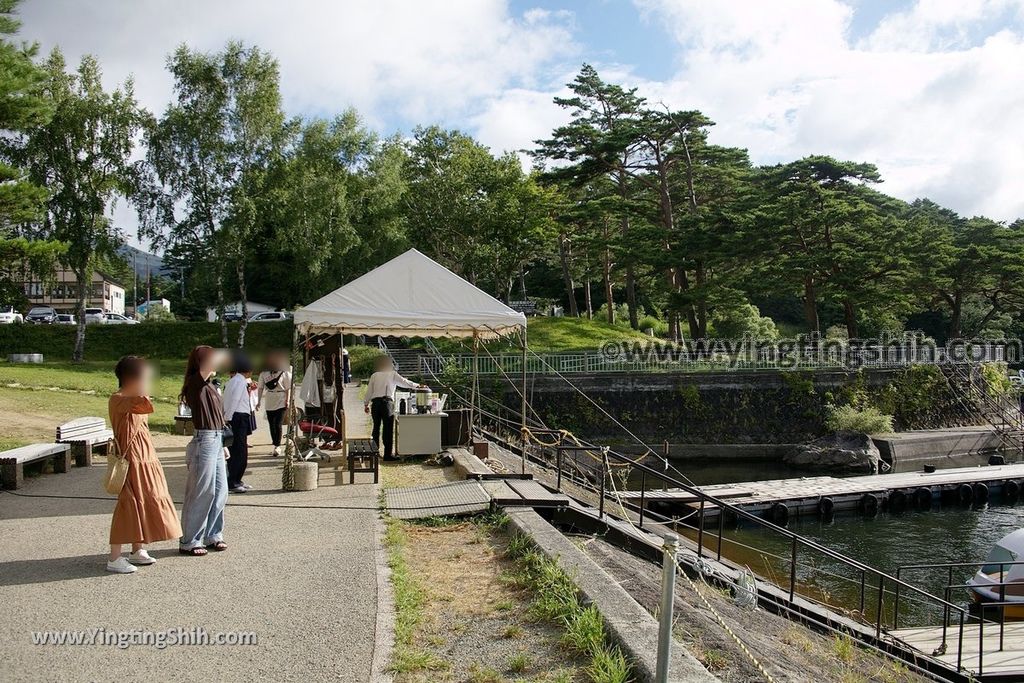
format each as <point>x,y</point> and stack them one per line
<point>206,490</point>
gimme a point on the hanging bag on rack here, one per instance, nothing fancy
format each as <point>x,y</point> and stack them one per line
<point>117,469</point>
<point>329,392</point>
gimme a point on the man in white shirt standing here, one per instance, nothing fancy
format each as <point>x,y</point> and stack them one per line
<point>379,401</point>
<point>238,412</point>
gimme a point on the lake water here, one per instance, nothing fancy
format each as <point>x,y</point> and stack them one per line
<point>946,534</point>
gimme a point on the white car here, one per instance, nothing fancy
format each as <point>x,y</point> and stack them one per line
<point>118,319</point>
<point>268,316</point>
<point>66,319</point>
<point>8,316</point>
<point>95,315</point>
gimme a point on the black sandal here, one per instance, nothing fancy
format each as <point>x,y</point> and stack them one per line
<point>219,546</point>
<point>194,552</point>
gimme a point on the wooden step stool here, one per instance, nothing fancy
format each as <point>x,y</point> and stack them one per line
<point>362,457</point>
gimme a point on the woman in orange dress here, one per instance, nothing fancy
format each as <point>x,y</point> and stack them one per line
<point>145,512</point>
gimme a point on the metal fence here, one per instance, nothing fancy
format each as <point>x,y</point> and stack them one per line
<point>669,360</point>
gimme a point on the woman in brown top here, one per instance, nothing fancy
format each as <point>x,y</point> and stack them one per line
<point>206,490</point>
<point>145,512</point>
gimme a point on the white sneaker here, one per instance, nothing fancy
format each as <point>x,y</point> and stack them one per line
<point>277,451</point>
<point>238,489</point>
<point>246,487</point>
<point>141,558</point>
<point>121,566</point>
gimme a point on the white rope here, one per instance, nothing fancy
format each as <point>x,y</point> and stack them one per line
<point>696,589</point>
<point>721,621</point>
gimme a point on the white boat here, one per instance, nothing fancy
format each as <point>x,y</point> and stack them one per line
<point>999,569</point>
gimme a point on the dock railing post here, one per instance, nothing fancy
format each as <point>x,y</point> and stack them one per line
<point>881,605</point>
<point>643,493</point>
<point>558,465</point>
<point>896,602</point>
<point>670,549</point>
<point>792,570</point>
<point>1002,605</point>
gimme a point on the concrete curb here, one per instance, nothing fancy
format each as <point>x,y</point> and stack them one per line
<point>384,628</point>
<point>628,623</point>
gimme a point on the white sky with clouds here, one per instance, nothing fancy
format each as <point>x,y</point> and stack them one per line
<point>932,91</point>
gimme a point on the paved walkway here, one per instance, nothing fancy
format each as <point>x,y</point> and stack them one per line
<point>301,572</point>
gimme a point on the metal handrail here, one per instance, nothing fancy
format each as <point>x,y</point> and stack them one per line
<point>943,565</point>
<point>670,358</point>
<point>884,580</point>
<point>705,498</point>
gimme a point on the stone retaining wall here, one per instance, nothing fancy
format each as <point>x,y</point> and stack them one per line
<point>765,407</point>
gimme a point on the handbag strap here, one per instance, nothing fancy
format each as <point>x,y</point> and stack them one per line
<point>115,449</point>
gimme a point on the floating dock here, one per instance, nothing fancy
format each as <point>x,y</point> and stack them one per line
<point>992,657</point>
<point>781,499</point>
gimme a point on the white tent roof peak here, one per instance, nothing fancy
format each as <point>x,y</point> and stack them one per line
<point>410,295</point>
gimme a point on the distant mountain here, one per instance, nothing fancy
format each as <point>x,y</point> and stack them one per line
<point>143,262</point>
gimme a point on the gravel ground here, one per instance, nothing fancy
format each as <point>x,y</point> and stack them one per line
<point>473,617</point>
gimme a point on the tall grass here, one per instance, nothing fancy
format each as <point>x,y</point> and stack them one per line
<point>558,600</point>
<point>864,420</point>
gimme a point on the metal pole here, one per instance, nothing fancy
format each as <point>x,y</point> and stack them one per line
<point>558,465</point>
<point>668,587</point>
<point>522,403</point>
<point>643,487</point>
<point>473,387</point>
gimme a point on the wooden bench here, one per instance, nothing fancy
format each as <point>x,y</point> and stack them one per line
<point>362,457</point>
<point>84,435</point>
<point>12,462</point>
<point>183,425</point>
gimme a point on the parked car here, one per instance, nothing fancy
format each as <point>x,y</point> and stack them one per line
<point>66,319</point>
<point>118,319</point>
<point>41,315</point>
<point>95,315</point>
<point>232,318</point>
<point>268,316</point>
<point>8,316</point>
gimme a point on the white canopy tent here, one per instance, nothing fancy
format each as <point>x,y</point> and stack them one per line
<point>413,295</point>
<point>410,295</point>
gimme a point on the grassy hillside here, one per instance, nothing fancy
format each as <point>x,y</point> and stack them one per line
<point>576,334</point>
<point>554,335</point>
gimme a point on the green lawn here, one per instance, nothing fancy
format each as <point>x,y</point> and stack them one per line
<point>576,334</point>
<point>95,376</point>
<point>61,406</point>
<point>554,335</point>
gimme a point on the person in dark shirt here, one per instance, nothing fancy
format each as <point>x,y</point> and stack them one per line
<point>206,489</point>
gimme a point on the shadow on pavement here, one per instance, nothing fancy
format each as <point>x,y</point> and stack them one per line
<point>53,569</point>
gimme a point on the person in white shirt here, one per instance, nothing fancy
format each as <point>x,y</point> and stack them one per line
<point>274,384</point>
<point>238,412</point>
<point>379,401</point>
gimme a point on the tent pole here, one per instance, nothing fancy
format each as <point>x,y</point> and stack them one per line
<point>522,405</point>
<point>475,384</point>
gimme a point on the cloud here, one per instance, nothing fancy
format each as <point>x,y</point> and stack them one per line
<point>399,63</point>
<point>930,91</point>
<point>392,59</point>
<point>932,95</point>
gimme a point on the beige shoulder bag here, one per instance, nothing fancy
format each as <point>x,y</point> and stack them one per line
<point>117,469</point>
